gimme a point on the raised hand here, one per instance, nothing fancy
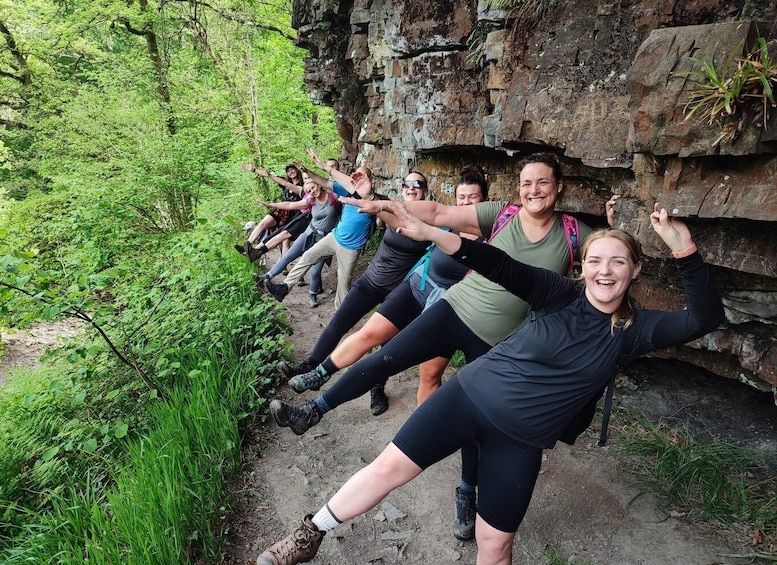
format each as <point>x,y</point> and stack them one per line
<point>316,159</point>
<point>672,231</point>
<point>611,207</point>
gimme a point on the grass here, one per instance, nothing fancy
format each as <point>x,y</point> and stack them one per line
<point>94,469</point>
<point>553,557</point>
<point>722,484</point>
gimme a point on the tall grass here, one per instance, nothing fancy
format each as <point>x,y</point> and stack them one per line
<point>157,492</point>
<point>713,482</point>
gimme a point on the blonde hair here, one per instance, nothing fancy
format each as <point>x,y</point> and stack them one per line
<point>624,316</point>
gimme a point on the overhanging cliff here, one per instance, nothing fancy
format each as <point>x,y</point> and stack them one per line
<point>435,85</point>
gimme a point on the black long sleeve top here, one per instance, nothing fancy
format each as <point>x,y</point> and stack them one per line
<point>535,381</point>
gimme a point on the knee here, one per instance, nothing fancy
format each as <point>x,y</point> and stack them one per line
<point>392,467</point>
<point>494,546</point>
<point>430,374</point>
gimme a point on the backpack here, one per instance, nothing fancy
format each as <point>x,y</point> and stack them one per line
<point>585,416</point>
<point>570,224</point>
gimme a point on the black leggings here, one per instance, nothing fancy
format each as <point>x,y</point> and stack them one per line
<point>362,298</point>
<point>438,332</point>
<point>507,469</point>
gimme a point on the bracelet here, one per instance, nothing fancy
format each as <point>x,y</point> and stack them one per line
<point>372,196</point>
<point>685,252</point>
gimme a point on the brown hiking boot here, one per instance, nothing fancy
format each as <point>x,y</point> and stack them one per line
<point>298,547</point>
<point>255,253</point>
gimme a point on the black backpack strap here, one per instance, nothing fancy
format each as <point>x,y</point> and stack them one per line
<point>607,408</point>
<point>606,411</point>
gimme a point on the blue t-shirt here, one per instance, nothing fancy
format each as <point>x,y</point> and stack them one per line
<point>352,229</point>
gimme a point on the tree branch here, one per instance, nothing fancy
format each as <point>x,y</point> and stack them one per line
<point>78,313</point>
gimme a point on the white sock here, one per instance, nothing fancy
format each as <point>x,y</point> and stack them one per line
<point>325,520</point>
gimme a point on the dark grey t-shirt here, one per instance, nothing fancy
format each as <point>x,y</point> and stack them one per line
<point>396,255</point>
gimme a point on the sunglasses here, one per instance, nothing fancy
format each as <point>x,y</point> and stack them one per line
<point>414,184</point>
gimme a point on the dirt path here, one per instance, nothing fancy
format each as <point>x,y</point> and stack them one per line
<point>25,347</point>
<point>584,505</point>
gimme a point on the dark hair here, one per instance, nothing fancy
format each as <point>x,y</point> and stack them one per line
<point>474,174</point>
<point>423,176</point>
<point>549,159</point>
<point>298,178</point>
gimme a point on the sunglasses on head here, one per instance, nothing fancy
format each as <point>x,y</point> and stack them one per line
<point>414,184</point>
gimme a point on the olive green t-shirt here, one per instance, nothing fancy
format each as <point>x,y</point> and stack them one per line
<point>491,312</point>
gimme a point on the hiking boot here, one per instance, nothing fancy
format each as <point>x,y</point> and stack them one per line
<point>278,291</point>
<point>240,248</point>
<point>299,418</point>
<point>312,300</point>
<point>298,547</point>
<point>312,380</point>
<point>465,509</point>
<point>255,253</point>
<point>291,370</point>
<point>378,400</point>
<point>301,282</point>
<point>261,280</point>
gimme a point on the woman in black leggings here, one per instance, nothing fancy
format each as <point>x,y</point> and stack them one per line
<point>395,257</point>
<point>518,399</point>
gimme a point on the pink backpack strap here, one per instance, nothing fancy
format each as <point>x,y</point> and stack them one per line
<point>507,214</point>
<point>569,223</point>
<point>572,233</point>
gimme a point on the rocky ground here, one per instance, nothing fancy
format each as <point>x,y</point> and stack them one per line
<point>586,506</point>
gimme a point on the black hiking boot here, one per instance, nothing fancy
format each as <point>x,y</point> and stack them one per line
<point>278,291</point>
<point>289,370</point>
<point>378,400</point>
<point>299,418</point>
<point>298,547</point>
<point>255,253</point>
<point>464,511</point>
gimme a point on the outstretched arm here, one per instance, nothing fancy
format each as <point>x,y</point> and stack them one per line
<point>336,174</point>
<point>460,218</point>
<point>262,172</point>
<point>494,264</point>
<point>284,205</point>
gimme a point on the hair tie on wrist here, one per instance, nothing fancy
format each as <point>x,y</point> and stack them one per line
<point>685,252</point>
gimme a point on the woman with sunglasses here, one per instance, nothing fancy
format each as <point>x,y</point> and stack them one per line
<point>394,258</point>
<point>420,289</point>
<point>516,400</point>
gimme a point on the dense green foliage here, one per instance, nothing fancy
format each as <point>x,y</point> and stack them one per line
<point>123,127</point>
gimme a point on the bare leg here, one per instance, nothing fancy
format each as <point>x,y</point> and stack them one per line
<point>495,547</point>
<point>376,331</point>
<point>267,223</point>
<point>430,373</point>
<point>277,240</point>
<point>371,484</point>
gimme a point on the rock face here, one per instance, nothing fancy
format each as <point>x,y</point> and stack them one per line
<point>436,85</point>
